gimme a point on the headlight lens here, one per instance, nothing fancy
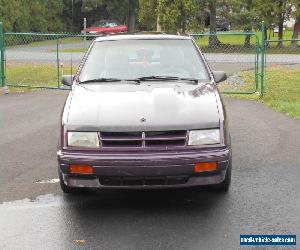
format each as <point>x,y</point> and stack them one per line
<point>204,137</point>
<point>83,139</point>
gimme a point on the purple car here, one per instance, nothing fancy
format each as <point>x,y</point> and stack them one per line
<point>144,112</point>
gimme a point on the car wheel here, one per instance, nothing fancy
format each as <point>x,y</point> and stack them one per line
<point>66,189</point>
<point>225,184</point>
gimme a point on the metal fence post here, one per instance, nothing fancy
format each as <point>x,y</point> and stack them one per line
<point>256,61</point>
<point>263,57</point>
<point>57,61</point>
<point>2,56</point>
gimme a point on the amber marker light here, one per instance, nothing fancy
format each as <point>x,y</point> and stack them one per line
<point>81,169</point>
<point>205,166</point>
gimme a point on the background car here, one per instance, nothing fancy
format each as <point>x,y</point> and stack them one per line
<point>106,27</point>
<point>276,29</point>
<point>222,24</point>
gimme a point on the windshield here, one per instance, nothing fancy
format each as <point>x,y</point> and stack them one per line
<point>132,59</point>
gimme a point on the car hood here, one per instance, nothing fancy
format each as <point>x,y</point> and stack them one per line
<point>145,107</point>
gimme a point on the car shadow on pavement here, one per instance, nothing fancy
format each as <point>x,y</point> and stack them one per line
<point>173,199</point>
<point>145,216</point>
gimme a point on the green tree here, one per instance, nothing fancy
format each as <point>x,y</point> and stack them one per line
<point>31,15</point>
<point>11,14</point>
<point>147,14</point>
<point>296,15</point>
<point>171,15</point>
<point>271,12</point>
<point>213,39</point>
<point>132,9</point>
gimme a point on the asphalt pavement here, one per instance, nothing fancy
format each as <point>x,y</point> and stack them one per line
<point>34,214</point>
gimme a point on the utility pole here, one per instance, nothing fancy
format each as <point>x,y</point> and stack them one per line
<point>158,26</point>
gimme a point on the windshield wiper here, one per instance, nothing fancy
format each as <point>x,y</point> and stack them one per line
<point>109,80</point>
<point>150,78</point>
<point>101,80</point>
<point>144,78</point>
<point>168,78</point>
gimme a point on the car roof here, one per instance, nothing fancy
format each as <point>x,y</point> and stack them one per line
<point>150,36</point>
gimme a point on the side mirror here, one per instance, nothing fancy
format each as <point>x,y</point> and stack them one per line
<point>219,76</point>
<point>67,80</point>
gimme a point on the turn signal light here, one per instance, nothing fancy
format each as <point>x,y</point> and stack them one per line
<point>81,169</point>
<point>205,166</point>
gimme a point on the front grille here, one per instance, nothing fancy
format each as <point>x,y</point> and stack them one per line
<point>143,181</point>
<point>144,139</point>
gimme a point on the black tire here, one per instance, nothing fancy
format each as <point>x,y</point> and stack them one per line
<point>66,189</point>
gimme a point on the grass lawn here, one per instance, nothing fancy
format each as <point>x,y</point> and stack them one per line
<point>71,50</point>
<point>12,39</point>
<point>34,74</point>
<point>228,38</point>
<point>231,43</point>
<point>282,90</point>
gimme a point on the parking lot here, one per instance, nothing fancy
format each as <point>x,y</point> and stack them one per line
<point>264,197</point>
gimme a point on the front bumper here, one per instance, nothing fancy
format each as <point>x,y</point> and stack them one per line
<point>144,169</point>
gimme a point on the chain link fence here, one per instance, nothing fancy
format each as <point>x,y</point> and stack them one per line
<point>39,60</point>
<point>2,57</point>
<point>235,53</point>
<point>282,52</point>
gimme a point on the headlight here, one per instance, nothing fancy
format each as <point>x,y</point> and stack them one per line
<point>83,139</point>
<point>204,137</point>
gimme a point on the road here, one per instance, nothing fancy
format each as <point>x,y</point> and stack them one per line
<point>264,197</point>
